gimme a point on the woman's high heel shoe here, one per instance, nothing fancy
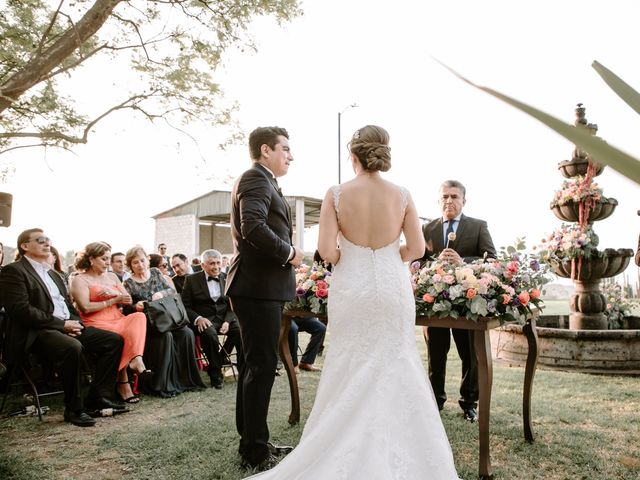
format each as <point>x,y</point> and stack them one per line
<point>132,399</point>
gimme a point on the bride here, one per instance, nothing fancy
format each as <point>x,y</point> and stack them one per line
<point>374,415</point>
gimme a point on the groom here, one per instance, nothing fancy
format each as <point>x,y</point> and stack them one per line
<point>260,279</point>
<point>471,240</point>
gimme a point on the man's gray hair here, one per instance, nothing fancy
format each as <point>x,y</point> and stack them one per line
<point>454,184</point>
<point>209,254</point>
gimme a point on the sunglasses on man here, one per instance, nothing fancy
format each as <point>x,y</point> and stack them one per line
<point>42,239</point>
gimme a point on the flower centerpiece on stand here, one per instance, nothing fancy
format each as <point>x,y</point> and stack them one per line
<point>312,289</point>
<point>569,242</point>
<point>506,287</point>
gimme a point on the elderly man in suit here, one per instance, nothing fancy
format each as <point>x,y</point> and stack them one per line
<point>470,242</point>
<point>42,320</point>
<point>261,278</point>
<point>211,315</point>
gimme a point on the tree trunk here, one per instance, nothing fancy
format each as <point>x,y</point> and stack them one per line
<point>40,66</point>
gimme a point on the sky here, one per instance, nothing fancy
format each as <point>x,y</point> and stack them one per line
<point>382,56</point>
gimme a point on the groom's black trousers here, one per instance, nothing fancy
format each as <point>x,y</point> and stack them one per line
<point>260,328</point>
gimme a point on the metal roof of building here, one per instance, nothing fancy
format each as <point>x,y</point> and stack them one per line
<point>215,207</point>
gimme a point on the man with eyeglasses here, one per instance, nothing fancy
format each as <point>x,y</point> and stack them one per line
<point>42,320</point>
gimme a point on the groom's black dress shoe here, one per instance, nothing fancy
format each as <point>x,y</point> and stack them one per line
<point>279,449</point>
<point>470,414</point>
<point>266,464</point>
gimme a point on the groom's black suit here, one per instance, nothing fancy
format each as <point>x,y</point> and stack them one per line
<point>260,279</point>
<point>472,242</point>
<point>198,302</point>
<point>34,328</point>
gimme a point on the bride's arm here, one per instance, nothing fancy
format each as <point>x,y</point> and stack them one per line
<point>328,236</point>
<point>414,247</point>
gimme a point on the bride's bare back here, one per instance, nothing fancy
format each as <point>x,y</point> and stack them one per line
<point>372,213</point>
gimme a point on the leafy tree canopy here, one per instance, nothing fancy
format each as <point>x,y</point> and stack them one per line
<point>171,47</point>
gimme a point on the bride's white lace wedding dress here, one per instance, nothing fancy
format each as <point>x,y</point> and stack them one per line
<point>374,416</point>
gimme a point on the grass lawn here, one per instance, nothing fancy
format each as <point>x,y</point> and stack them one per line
<point>586,427</point>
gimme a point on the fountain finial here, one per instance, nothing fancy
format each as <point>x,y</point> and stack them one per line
<point>581,122</point>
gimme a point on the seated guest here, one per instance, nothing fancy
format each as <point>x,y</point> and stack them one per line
<point>42,320</point>
<point>225,264</point>
<point>98,294</point>
<point>56,265</point>
<point>117,266</point>
<point>162,251</point>
<point>170,355</point>
<point>182,269</point>
<point>317,330</point>
<point>195,265</point>
<point>158,261</point>
<point>210,313</point>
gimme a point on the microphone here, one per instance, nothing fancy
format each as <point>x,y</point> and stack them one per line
<point>451,237</point>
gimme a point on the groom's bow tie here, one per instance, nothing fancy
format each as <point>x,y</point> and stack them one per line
<point>215,279</point>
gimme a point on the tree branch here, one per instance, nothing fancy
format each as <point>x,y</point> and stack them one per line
<point>46,33</point>
<point>42,65</point>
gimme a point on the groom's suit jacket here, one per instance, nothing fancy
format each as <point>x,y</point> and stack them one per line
<point>261,232</point>
<point>198,302</point>
<point>472,239</point>
<point>28,302</point>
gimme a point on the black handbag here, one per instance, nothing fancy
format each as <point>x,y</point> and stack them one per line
<point>166,314</point>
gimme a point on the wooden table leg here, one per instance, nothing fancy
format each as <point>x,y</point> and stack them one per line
<point>485,380</point>
<point>285,356</point>
<point>529,330</point>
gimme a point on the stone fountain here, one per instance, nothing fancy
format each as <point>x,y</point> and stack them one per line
<point>586,345</point>
<point>588,304</point>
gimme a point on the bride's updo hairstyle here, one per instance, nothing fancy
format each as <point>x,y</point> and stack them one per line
<point>370,145</point>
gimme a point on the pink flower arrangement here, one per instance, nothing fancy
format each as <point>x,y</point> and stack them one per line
<point>567,243</point>
<point>507,287</point>
<point>578,190</point>
<point>312,289</point>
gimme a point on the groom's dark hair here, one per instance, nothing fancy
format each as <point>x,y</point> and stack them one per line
<point>264,136</point>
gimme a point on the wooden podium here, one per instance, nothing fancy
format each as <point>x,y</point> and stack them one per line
<point>482,343</point>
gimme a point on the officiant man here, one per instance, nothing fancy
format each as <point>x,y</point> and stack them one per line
<point>261,278</point>
<point>211,315</point>
<point>470,240</point>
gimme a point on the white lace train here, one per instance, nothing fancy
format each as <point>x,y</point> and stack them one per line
<point>374,416</point>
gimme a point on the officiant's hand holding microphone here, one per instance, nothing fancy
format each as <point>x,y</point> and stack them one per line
<point>449,255</point>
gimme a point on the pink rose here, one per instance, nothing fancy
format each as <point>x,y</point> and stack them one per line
<point>322,285</point>
<point>524,298</point>
<point>322,293</point>
<point>428,298</point>
<point>512,267</point>
<point>471,293</point>
<point>505,299</point>
<point>535,294</point>
<point>313,276</point>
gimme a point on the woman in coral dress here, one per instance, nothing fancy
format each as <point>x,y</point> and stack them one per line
<point>98,295</point>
